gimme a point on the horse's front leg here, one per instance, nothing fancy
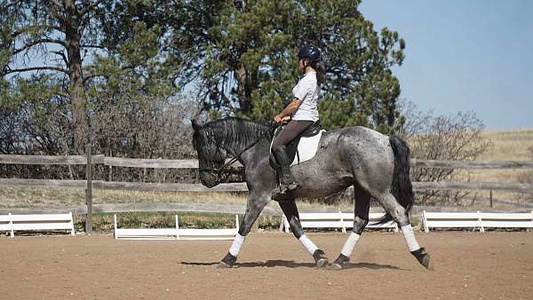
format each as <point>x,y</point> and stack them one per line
<point>254,207</point>
<point>291,213</point>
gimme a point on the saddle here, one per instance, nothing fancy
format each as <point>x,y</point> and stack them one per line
<point>303,147</point>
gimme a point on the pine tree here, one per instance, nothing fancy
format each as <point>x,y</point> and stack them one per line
<point>81,54</point>
<point>250,61</point>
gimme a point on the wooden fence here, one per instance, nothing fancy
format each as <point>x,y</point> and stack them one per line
<point>91,160</point>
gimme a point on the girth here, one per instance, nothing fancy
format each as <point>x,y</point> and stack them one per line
<point>292,148</point>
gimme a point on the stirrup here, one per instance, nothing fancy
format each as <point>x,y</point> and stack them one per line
<point>285,188</point>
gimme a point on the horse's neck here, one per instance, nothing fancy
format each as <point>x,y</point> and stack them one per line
<point>242,138</point>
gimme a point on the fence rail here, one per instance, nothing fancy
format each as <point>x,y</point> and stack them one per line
<point>239,187</point>
<point>88,184</point>
<point>459,164</point>
<point>193,163</point>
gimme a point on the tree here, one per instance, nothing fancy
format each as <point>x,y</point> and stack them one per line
<point>84,48</point>
<point>88,56</point>
<point>250,61</point>
<point>57,32</point>
<point>36,125</point>
<point>442,137</point>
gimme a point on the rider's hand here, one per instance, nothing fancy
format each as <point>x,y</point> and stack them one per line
<point>279,119</point>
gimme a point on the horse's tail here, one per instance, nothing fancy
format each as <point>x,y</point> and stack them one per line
<point>401,188</point>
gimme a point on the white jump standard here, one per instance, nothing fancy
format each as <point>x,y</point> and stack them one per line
<point>36,222</point>
<point>175,233</point>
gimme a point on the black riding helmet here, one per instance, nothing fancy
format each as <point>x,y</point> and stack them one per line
<point>310,52</point>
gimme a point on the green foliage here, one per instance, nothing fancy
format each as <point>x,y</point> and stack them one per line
<point>127,64</point>
<point>30,119</point>
<point>135,56</point>
<point>250,63</point>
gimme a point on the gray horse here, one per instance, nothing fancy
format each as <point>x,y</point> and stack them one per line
<point>376,165</point>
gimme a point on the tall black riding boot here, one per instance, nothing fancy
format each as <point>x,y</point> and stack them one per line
<point>287,180</point>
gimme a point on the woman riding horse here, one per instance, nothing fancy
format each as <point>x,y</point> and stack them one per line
<point>377,166</point>
<point>301,113</point>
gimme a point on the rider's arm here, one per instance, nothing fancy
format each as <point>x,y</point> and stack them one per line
<point>288,110</point>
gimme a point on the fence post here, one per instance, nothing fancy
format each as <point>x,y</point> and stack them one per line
<point>89,191</point>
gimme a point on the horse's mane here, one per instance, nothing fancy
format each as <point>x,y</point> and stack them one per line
<point>236,133</point>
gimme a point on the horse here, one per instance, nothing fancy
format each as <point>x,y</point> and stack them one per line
<point>375,164</point>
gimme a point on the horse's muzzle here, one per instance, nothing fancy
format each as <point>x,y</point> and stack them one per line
<point>209,179</point>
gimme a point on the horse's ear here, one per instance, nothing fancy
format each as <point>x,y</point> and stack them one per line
<point>195,125</point>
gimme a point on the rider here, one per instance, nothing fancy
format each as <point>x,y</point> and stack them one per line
<point>300,113</point>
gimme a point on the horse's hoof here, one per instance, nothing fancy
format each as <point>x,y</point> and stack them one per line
<point>339,262</point>
<point>423,258</point>
<point>322,262</point>
<point>320,258</point>
<point>223,265</point>
<point>334,267</point>
<point>426,261</point>
<point>227,262</point>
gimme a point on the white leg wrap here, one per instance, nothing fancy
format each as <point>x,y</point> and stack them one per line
<point>409,236</point>
<point>310,246</point>
<point>350,244</point>
<point>236,245</point>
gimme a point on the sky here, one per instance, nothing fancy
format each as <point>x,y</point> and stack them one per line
<point>464,56</point>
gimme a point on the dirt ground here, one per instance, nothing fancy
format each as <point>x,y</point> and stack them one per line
<point>468,265</point>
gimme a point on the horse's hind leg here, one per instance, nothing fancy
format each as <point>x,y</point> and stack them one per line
<point>399,214</point>
<point>255,205</point>
<point>362,205</point>
<point>291,213</point>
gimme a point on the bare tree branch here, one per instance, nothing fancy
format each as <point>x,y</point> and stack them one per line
<point>30,69</point>
<point>93,46</point>
<point>27,29</point>
<point>38,42</point>
<point>63,56</point>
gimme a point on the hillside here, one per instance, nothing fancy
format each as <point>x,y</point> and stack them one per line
<point>509,145</point>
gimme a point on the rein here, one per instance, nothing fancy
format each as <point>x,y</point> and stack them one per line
<point>217,173</point>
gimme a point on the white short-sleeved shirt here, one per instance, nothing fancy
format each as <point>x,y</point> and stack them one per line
<point>307,91</point>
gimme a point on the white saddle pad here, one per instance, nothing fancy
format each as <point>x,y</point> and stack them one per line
<point>307,148</point>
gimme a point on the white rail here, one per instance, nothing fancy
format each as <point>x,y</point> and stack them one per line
<point>36,222</point>
<point>476,220</point>
<point>176,233</point>
<point>338,220</point>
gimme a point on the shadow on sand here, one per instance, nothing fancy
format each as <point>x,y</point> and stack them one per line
<point>292,264</point>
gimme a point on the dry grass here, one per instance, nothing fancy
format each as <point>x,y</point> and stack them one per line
<point>35,197</point>
<point>509,145</point>
<point>513,145</point>
<point>21,197</point>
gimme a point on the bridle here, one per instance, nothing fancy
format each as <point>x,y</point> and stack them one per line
<point>217,173</point>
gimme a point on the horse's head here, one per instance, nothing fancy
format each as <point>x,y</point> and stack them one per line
<point>211,157</point>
